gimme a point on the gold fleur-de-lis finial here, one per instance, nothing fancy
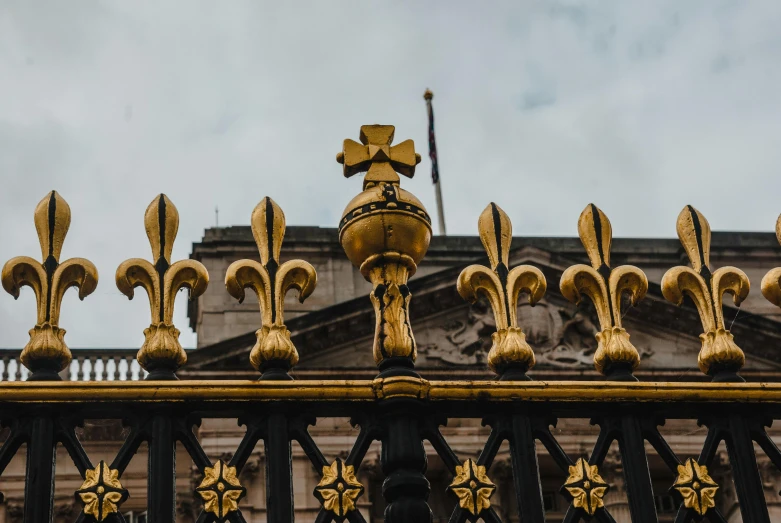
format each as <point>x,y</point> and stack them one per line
<point>377,157</point>
<point>161,354</point>
<point>615,356</point>
<point>510,355</point>
<point>274,350</point>
<point>771,283</point>
<point>46,353</point>
<point>719,356</point>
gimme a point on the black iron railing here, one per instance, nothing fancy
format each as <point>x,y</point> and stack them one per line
<point>385,232</point>
<point>401,413</point>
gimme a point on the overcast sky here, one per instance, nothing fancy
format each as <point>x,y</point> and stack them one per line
<point>542,107</point>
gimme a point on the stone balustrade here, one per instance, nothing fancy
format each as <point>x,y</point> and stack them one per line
<point>87,365</point>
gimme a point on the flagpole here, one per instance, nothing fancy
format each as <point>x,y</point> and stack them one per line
<point>432,148</point>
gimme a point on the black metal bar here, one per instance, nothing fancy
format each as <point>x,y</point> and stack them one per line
<point>684,515</point>
<point>193,447</point>
<point>603,516</point>
<point>324,516</point>
<point>490,516</point>
<point>663,449</point>
<point>437,440</point>
<point>354,516</point>
<point>631,444</point>
<point>491,447</point>
<point>67,436</point>
<point>572,515</point>
<point>715,516</point>
<point>365,438</point>
<point>10,448</point>
<point>743,461</point>
<point>255,430</point>
<point>767,445</point>
<point>279,471</point>
<point>300,433</point>
<point>236,517</point>
<point>161,504</point>
<point>554,449</point>
<point>403,459</point>
<point>526,472</point>
<point>39,484</point>
<point>606,436</point>
<point>128,449</point>
<point>711,445</point>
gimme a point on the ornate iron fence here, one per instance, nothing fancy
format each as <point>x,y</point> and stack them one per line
<point>385,232</point>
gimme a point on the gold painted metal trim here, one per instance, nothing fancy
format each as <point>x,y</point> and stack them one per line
<point>379,389</point>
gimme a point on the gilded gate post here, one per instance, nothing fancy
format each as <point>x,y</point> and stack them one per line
<point>385,232</point>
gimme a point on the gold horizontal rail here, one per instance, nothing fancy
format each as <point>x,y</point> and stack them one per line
<point>378,389</point>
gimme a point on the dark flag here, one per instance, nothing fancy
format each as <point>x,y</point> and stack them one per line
<point>432,143</point>
<point>432,153</point>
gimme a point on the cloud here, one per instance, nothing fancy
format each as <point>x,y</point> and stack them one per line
<point>640,107</point>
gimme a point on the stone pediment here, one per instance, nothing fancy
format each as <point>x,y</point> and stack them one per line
<point>454,337</point>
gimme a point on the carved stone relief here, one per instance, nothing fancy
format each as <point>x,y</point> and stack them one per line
<point>561,337</point>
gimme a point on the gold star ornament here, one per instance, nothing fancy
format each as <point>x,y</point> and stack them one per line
<point>696,487</point>
<point>472,487</point>
<point>586,487</point>
<point>338,490</point>
<point>220,490</point>
<point>101,493</point>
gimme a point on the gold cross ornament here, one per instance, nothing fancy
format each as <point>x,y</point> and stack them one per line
<point>377,157</point>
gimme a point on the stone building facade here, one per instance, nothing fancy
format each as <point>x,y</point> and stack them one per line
<point>333,331</point>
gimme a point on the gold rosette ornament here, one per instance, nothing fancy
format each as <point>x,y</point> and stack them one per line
<point>101,493</point>
<point>696,487</point>
<point>274,350</point>
<point>472,487</point>
<point>46,353</point>
<point>161,354</point>
<point>585,487</point>
<point>615,356</point>
<point>719,356</point>
<point>220,490</point>
<point>339,489</point>
<point>502,287</point>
